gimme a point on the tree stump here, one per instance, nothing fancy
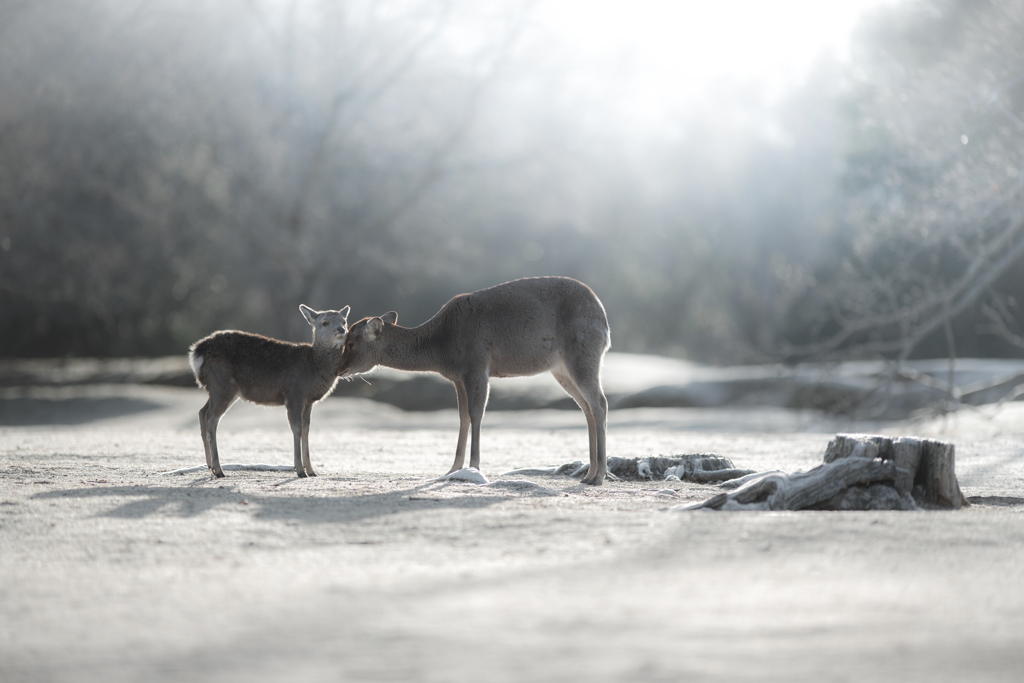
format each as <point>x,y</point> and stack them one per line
<point>860,472</point>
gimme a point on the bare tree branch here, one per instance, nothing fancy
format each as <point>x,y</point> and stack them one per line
<point>987,266</point>
<point>433,169</point>
<point>314,169</point>
<point>998,315</point>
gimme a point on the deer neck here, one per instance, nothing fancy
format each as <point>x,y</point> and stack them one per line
<point>416,349</point>
<point>326,356</point>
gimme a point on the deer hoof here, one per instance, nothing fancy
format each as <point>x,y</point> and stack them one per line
<point>301,474</point>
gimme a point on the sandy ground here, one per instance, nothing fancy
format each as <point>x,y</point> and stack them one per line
<point>111,570</point>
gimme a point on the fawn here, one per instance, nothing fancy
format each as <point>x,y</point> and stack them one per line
<point>231,364</point>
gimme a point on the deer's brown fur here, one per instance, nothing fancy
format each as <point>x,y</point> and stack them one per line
<point>523,327</point>
<point>232,364</point>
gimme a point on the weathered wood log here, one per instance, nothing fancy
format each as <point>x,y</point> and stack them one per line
<point>877,496</point>
<point>703,468</point>
<point>698,467</point>
<point>860,472</point>
<point>804,489</point>
<point>714,476</point>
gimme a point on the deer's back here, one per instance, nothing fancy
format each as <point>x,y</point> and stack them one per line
<point>521,325</point>
<point>264,370</point>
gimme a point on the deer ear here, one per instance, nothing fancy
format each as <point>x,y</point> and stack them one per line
<point>345,311</point>
<point>373,328</point>
<point>390,317</point>
<point>309,314</point>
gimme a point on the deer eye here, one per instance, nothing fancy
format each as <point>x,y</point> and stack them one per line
<point>326,323</point>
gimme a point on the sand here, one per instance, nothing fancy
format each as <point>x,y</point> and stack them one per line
<point>111,570</point>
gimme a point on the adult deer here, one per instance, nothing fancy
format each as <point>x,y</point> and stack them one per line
<point>523,327</point>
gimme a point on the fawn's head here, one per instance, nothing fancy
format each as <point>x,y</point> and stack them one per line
<point>363,346</point>
<point>329,327</point>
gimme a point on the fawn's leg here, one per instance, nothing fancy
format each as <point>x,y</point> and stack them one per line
<point>294,409</point>
<point>220,400</point>
<point>307,412</point>
<point>202,433</point>
<point>460,449</point>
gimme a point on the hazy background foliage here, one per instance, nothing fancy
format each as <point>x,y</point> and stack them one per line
<point>171,168</point>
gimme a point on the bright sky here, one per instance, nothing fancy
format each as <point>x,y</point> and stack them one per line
<point>670,50</point>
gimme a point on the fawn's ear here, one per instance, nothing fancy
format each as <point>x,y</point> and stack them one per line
<point>373,328</point>
<point>345,311</point>
<point>309,314</point>
<point>390,317</point>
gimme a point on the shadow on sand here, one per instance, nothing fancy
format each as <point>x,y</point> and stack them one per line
<point>147,501</point>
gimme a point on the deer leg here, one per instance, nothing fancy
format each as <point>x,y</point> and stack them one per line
<point>599,439</point>
<point>211,436</point>
<point>598,434</point>
<point>570,388</point>
<point>584,386</point>
<point>218,404</point>
<point>460,449</point>
<point>202,433</point>
<point>307,465</point>
<point>477,390</point>
<point>295,420</point>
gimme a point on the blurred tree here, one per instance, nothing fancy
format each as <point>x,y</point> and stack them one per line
<point>172,171</point>
<point>178,169</point>
<point>168,169</point>
<point>934,223</point>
